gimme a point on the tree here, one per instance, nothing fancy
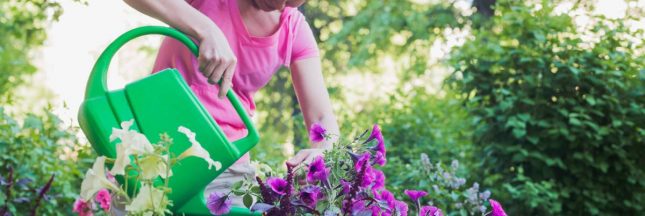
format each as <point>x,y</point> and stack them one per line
<point>561,117</point>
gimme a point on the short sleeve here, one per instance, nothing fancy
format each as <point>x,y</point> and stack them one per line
<point>304,44</point>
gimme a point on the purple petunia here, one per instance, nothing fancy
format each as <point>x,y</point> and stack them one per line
<point>318,171</point>
<point>401,208</point>
<point>378,136</point>
<point>218,203</point>
<point>278,185</point>
<point>317,133</point>
<point>347,186</point>
<point>362,159</point>
<point>380,159</point>
<point>379,180</point>
<point>385,196</point>
<point>415,195</point>
<point>430,211</point>
<point>497,208</point>
<point>310,195</point>
<point>368,177</point>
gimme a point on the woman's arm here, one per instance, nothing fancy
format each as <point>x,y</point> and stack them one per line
<point>315,104</point>
<point>216,59</point>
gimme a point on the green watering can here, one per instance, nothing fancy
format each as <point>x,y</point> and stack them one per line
<point>160,103</point>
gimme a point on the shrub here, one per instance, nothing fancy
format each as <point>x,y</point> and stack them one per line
<point>36,149</point>
<point>565,111</point>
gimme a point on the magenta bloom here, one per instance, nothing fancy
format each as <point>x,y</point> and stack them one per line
<point>82,208</point>
<point>401,208</point>
<point>104,199</point>
<point>317,133</point>
<point>318,171</point>
<point>415,194</point>
<point>218,203</point>
<point>379,180</point>
<point>347,186</point>
<point>368,177</point>
<point>386,196</point>
<point>364,158</point>
<point>380,159</point>
<point>310,195</point>
<point>497,208</point>
<point>430,211</point>
<point>278,185</point>
<point>378,136</point>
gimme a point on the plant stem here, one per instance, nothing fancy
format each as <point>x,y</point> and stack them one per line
<point>41,194</point>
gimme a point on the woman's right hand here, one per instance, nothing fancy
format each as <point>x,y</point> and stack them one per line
<point>217,60</point>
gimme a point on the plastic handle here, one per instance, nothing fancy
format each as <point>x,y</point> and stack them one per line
<point>97,83</point>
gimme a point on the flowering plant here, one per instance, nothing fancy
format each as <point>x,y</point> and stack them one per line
<point>135,154</point>
<point>346,181</point>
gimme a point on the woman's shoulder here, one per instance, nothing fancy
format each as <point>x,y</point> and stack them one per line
<point>208,4</point>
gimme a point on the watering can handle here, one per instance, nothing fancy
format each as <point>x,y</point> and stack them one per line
<point>97,83</point>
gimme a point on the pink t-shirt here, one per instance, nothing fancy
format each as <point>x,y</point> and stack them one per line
<point>258,58</point>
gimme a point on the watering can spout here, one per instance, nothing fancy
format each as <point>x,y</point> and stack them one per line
<point>161,103</point>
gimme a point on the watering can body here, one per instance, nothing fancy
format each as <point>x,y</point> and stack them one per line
<point>160,103</point>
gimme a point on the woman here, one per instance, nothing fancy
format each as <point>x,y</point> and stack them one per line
<point>243,43</point>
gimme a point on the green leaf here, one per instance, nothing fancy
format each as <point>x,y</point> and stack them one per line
<point>247,199</point>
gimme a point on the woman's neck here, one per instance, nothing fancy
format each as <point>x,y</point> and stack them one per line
<point>258,23</point>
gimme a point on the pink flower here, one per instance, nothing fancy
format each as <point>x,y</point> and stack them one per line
<point>104,198</point>
<point>218,203</point>
<point>82,208</point>
<point>317,170</point>
<point>317,133</point>
<point>497,208</point>
<point>415,195</point>
<point>278,185</point>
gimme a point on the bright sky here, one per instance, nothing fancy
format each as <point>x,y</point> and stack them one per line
<point>75,42</point>
<point>84,31</point>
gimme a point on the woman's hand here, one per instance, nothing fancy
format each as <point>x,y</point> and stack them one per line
<point>217,60</point>
<point>305,156</point>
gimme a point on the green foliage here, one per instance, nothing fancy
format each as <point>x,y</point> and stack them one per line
<point>418,121</point>
<point>22,26</point>
<point>444,183</point>
<point>562,117</point>
<point>37,148</point>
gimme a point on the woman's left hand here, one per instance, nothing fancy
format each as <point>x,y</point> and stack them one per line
<point>305,156</point>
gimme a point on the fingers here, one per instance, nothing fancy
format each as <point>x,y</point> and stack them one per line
<point>227,80</point>
<point>305,156</point>
<point>298,158</point>
<point>217,73</point>
<point>216,66</point>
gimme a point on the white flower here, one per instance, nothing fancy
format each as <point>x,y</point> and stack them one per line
<point>197,150</point>
<point>132,142</point>
<point>135,142</point>
<point>148,200</point>
<point>122,160</point>
<point>96,180</point>
<point>153,166</point>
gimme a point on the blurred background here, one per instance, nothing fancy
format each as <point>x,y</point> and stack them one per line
<point>538,104</point>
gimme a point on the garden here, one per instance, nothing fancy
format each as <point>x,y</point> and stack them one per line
<point>482,107</point>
